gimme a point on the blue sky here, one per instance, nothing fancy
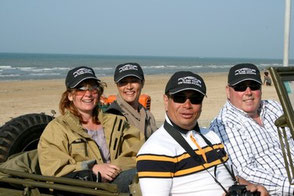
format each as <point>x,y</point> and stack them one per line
<point>197,28</point>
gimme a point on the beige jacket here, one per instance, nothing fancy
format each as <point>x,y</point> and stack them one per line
<point>142,119</point>
<point>66,147</point>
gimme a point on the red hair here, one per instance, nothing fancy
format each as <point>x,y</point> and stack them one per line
<point>66,105</point>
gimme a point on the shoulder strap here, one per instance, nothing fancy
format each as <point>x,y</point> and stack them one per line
<point>231,171</point>
<point>179,138</point>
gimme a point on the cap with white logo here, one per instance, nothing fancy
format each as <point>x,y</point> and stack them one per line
<point>185,80</point>
<point>242,72</point>
<point>126,70</point>
<point>77,75</point>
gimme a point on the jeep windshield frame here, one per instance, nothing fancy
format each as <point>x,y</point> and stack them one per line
<point>283,79</point>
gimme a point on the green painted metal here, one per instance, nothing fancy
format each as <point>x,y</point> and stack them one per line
<point>31,181</point>
<point>280,76</point>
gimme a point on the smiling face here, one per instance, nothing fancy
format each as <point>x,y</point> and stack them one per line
<point>85,97</point>
<point>248,100</point>
<point>130,89</point>
<point>185,114</point>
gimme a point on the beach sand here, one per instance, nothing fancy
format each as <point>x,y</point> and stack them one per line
<point>37,96</point>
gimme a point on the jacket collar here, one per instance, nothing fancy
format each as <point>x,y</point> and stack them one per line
<point>74,123</point>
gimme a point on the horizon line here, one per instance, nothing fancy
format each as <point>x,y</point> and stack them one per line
<point>124,55</point>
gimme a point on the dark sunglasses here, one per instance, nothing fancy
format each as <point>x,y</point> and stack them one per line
<point>181,98</point>
<point>243,87</point>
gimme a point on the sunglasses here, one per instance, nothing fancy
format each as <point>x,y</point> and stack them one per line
<point>243,87</point>
<point>83,89</point>
<point>181,98</point>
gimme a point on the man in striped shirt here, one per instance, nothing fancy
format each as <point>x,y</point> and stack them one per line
<point>164,167</point>
<point>246,126</point>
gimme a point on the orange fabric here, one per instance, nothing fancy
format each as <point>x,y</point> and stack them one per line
<point>202,152</point>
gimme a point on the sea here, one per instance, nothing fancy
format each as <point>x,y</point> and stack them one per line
<point>23,66</point>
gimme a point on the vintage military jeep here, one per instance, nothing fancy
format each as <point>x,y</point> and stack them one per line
<point>22,134</point>
<point>283,79</point>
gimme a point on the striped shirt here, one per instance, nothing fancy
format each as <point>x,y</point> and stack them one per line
<point>164,168</point>
<point>255,150</point>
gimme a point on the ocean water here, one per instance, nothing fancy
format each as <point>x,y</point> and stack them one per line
<point>16,66</point>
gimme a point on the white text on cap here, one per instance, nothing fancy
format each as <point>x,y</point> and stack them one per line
<point>82,71</point>
<point>128,67</point>
<point>245,71</point>
<point>189,80</point>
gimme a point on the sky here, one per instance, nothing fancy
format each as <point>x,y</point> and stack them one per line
<point>194,28</point>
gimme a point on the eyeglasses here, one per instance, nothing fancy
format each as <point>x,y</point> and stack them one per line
<point>83,89</point>
<point>243,87</point>
<point>181,98</point>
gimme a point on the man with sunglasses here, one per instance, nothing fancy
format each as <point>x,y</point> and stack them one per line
<point>129,79</point>
<point>246,126</point>
<point>164,166</point>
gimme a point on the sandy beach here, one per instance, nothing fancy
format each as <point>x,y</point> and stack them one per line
<point>37,96</point>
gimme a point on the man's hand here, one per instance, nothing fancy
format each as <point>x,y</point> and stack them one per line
<point>108,171</point>
<point>253,187</point>
<point>259,188</point>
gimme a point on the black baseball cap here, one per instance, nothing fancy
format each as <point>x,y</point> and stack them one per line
<point>185,80</point>
<point>128,69</point>
<point>77,75</point>
<point>242,72</point>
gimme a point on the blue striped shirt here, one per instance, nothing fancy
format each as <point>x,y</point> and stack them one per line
<point>255,150</point>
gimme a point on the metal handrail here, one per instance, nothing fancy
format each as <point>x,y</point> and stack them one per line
<point>59,183</point>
